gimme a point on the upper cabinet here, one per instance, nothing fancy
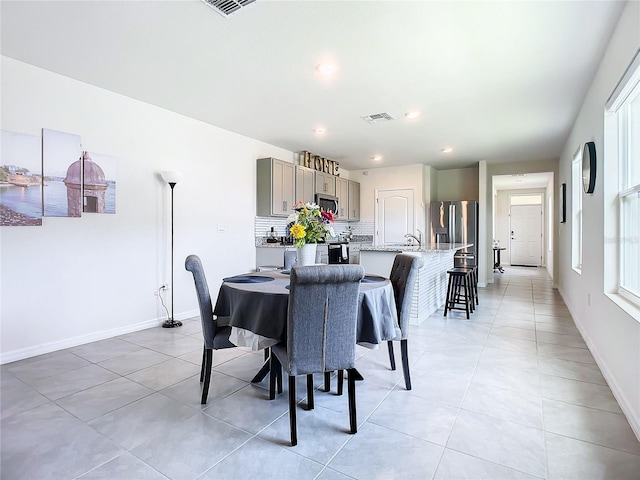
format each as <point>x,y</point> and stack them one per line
<point>325,183</point>
<point>342,192</point>
<point>305,184</point>
<point>276,187</point>
<point>354,201</point>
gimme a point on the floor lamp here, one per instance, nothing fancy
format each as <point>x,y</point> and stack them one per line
<point>171,178</point>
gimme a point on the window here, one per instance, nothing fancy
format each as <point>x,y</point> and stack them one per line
<point>624,105</point>
<point>576,211</point>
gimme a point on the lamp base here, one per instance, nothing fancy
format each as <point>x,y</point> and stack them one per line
<point>171,323</point>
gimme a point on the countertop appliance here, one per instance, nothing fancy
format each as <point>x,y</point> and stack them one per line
<point>338,252</point>
<point>456,222</point>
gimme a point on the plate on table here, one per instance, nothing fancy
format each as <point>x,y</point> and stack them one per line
<point>247,279</point>
<point>373,279</point>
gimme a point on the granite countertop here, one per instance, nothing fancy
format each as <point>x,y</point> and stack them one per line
<point>442,247</point>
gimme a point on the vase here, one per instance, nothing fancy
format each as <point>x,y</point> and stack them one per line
<point>307,254</point>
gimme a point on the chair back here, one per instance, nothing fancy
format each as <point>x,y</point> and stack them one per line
<point>322,318</point>
<point>194,265</point>
<point>290,259</point>
<point>404,275</point>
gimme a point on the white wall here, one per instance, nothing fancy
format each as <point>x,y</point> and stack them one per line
<point>410,176</point>
<point>75,280</point>
<point>613,335</point>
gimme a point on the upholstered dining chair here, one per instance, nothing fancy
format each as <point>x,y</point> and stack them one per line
<point>215,337</point>
<point>404,275</point>
<point>321,332</point>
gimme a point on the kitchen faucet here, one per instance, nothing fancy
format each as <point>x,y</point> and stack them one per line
<point>417,239</point>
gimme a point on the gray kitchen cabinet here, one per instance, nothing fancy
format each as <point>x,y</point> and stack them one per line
<point>325,183</point>
<point>342,192</point>
<point>354,201</point>
<point>305,188</point>
<point>275,187</point>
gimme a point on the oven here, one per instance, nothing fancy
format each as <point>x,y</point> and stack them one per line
<point>338,252</point>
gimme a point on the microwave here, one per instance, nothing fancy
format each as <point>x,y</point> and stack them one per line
<point>327,203</point>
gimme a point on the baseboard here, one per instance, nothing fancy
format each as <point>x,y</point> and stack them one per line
<point>625,405</point>
<point>28,352</point>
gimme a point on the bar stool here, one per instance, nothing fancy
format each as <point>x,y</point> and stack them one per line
<point>460,291</point>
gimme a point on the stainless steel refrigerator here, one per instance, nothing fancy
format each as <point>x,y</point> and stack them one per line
<point>456,222</point>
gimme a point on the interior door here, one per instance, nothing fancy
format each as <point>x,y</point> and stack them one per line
<point>395,215</point>
<point>525,245</point>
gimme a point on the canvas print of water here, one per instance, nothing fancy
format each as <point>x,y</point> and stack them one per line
<point>99,183</point>
<point>20,179</point>
<point>62,174</point>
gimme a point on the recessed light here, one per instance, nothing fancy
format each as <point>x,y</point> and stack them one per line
<point>326,68</point>
<point>376,158</point>
<point>447,150</point>
<point>412,115</point>
<point>320,131</point>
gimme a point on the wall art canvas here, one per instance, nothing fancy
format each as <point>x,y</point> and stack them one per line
<point>99,183</point>
<point>20,179</point>
<point>62,173</point>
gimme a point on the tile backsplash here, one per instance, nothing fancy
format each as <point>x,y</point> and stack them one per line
<point>263,227</point>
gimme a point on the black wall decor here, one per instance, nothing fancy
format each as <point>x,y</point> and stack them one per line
<point>563,203</point>
<point>589,167</point>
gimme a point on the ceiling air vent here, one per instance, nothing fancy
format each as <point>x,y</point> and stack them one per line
<point>227,7</point>
<point>377,118</point>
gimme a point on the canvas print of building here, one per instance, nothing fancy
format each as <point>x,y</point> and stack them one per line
<point>20,179</point>
<point>62,172</point>
<point>99,183</point>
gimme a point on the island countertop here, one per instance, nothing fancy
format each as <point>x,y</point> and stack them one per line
<point>440,247</point>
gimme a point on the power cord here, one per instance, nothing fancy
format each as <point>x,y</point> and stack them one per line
<point>161,300</point>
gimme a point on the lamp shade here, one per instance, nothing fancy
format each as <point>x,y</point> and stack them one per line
<point>171,177</point>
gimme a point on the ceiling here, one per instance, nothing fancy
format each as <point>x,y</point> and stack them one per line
<point>497,81</point>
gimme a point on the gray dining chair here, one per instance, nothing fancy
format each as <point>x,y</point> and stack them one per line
<point>321,332</point>
<point>404,276</point>
<point>215,337</point>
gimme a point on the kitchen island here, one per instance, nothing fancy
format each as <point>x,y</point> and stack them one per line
<point>431,289</point>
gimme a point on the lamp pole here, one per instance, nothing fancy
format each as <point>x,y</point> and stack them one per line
<point>171,178</point>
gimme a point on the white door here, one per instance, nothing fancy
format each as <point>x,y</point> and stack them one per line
<point>525,246</point>
<point>395,217</point>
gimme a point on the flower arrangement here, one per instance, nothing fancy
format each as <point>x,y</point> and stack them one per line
<point>309,223</point>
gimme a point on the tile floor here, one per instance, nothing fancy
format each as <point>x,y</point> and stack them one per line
<point>512,393</point>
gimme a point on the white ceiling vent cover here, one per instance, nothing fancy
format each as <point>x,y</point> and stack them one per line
<point>377,118</point>
<point>227,7</point>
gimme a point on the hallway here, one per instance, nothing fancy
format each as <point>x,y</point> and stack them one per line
<point>512,393</point>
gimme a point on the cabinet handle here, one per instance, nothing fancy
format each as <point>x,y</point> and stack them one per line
<point>284,206</point>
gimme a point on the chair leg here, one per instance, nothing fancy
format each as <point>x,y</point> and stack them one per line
<point>279,378</point>
<point>207,374</point>
<point>392,358</point>
<point>404,347</point>
<point>448,297</point>
<point>310,403</point>
<point>340,381</point>
<point>351,388</point>
<point>204,351</point>
<point>292,411</point>
<point>274,368</point>
<point>327,381</point>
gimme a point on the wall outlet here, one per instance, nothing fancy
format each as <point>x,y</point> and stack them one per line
<point>162,288</point>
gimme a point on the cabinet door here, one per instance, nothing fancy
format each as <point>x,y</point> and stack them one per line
<point>325,183</point>
<point>354,200</point>
<point>342,188</point>
<point>305,184</point>
<point>283,188</point>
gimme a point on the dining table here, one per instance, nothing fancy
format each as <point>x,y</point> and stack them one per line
<point>255,305</point>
